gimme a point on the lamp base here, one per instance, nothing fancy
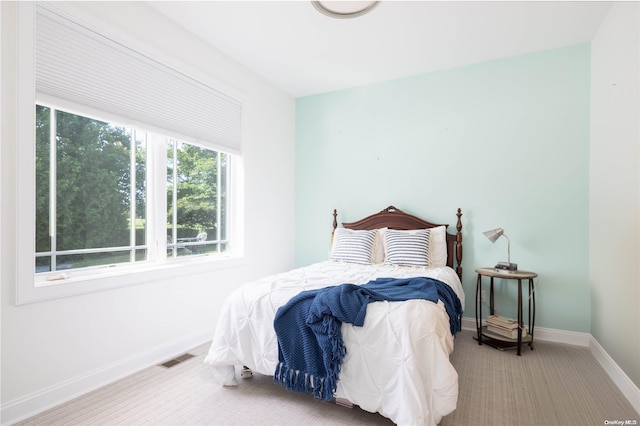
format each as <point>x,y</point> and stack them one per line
<point>506,266</point>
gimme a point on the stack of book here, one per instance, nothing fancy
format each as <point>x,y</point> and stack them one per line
<point>504,326</point>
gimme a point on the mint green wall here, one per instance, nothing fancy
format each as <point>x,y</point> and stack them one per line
<point>507,141</point>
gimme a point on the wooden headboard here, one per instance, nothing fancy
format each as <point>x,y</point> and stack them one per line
<point>394,218</point>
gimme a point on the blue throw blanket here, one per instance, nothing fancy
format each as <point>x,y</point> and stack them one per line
<point>310,346</point>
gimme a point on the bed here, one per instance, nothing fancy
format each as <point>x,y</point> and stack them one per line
<point>397,363</point>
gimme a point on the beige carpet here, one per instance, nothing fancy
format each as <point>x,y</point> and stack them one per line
<point>552,385</point>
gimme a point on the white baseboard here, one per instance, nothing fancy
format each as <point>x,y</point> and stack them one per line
<point>37,402</point>
<point>621,380</point>
<point>624,383</point>
<point>545,334</point>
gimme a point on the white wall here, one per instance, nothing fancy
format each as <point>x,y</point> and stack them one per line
<point>52,350</point>
<point>614,208</point>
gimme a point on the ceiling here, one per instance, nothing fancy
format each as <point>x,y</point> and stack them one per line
<point>303,52</point>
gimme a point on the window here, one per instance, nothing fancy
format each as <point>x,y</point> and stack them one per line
<point>196,198</point>
<point>92,201</point>
<point>90,192</point>
<point>134,171</point>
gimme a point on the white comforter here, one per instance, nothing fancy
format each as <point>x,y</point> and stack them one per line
<point>397,364</point>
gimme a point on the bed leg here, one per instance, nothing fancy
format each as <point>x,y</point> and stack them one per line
<point>344,402</point>
<point>246,372</point>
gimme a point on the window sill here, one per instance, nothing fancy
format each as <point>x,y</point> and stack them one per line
<point>77,282</point>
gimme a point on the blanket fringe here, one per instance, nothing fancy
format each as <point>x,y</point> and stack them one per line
<point>333,355</point>
<point>300,381</point>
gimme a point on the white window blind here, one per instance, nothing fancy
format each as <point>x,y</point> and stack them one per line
<point>85,67</point>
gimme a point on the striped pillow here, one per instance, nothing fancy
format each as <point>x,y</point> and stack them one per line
<point>408,248</point>
<point>353,246</point>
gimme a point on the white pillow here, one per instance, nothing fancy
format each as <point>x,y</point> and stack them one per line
<point>408,248</point>
<point>378,251</point>
<point>353,246</point>
<point>438,246</point>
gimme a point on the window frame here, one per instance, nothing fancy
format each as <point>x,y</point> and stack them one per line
<point>30,287</point>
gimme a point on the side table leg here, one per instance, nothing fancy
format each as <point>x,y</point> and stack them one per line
<point>479,309</point>
<point>492,308</point>
<point>519,315</point>
<point>532,310</point>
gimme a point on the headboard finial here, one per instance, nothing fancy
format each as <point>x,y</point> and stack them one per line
<point>335,224</point>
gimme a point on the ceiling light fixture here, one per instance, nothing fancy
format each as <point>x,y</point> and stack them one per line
<point>344,9</point>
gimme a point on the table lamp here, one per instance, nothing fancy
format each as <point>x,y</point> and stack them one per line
<point>493,235</point>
